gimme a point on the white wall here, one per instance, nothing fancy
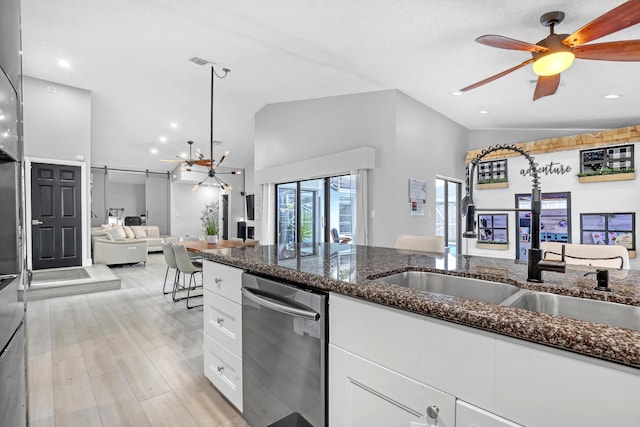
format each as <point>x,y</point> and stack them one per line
<point>410,141</point>
<point>130,197</point>
<point>427,144</point>
<point>607,197</point>
<point>57,126</point>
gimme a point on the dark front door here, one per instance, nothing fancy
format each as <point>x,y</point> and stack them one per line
<point>55,211</point>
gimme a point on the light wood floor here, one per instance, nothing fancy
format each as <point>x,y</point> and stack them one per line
<point>128,357</point>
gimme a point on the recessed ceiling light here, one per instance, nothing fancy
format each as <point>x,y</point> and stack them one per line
<point>174,125</point>
<point>154,151</point>
<point>63,63</point>
<point>5,135</point>
<point>483,112</point>
<point>611,96</point>
<point>163,139</point>
<point>1,116</point>
<point>183,155</point>
<point>456,93</point>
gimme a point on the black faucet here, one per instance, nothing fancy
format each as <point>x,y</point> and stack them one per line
<point>603,279</point>
<point>535,264</point>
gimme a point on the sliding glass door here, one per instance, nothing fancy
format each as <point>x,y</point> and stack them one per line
<point>309,211</point>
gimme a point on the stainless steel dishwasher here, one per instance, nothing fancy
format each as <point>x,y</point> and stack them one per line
<point>284,354</point>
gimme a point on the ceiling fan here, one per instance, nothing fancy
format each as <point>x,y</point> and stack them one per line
<point>556,52</point>
<point>208,163</point>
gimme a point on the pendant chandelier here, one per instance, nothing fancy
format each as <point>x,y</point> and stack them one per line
<point>209,164</point>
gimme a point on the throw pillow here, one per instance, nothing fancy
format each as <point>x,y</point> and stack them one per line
<point>114,234</point>
<point>153,231</point>
<point>129,232</point>
<point>139,232</point>
<point>121,235</point>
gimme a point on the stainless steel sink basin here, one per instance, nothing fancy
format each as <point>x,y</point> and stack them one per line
<point>462,287</point>
<point>609,313</point>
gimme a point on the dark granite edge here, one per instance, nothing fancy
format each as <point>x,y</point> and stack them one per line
<point>605,342</point>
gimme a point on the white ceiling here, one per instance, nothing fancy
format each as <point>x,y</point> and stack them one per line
<point>133,56</point>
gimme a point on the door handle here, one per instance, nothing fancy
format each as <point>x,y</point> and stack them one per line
<point>36,222</point>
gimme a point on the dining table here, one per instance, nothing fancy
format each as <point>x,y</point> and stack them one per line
<point>202,245</point>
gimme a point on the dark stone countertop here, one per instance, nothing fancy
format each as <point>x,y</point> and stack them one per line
<point>349,270</point>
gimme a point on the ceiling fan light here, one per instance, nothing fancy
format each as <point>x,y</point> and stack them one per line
<point>553,63</point>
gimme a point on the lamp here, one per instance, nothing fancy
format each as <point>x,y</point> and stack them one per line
<point>553,63</point>
<point>209,163</point>
<point>556,58</point>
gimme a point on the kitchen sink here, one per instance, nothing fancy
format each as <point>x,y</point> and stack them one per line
<point>609,313</point>
<point>463,287</point>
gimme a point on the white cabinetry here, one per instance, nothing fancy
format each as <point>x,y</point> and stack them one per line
<point>492,376</point>
<point>222,346</point>
<point>363,393</point>
<point>470,416</point>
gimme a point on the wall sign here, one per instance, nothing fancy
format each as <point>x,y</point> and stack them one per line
<point>551,168</point>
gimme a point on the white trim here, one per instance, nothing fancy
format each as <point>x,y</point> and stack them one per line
<point>86,259</point>
<point>448,178</point>
<point>334,164</point>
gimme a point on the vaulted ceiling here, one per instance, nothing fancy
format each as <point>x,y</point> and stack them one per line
<point>133,56</point>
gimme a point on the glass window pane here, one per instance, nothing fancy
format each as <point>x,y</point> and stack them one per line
<point>485,221</point>
<point>500,235</point>
<point>342,190</point>
<point>287,212</point>
<point>593,222</point>
<point>621,222</point>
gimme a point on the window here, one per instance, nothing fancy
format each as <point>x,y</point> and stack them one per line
<point>447,208</point>
<point>608,229</point>
<point>611,158</point>
<point>493,228</point>
<point>555,220</point>
<point>492,171</point>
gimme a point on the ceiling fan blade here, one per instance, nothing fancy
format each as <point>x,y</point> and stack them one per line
<point>619,18</point>
<point>497,76</point>
<point>230,173</point>
<point>547,85</point>
<point>625,50</point>
<point>502,42</point>
<point>205,162</point>
<point>173,161</point>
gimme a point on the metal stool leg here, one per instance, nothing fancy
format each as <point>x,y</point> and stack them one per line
<point>195,285</point>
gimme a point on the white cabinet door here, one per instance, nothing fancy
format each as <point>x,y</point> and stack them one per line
<point>471,416</point>
<point>223,321</point>
<point>223,280</point>
<point>539,386</point>
<point>362,393</point>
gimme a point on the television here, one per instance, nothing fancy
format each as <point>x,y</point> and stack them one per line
<point>250,207</point>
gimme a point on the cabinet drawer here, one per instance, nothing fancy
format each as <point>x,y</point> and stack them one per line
<point>223,321</point>
<point>362,393</point>
<point>470,416</point>
<point>223,280</point>
<point>224,370</point>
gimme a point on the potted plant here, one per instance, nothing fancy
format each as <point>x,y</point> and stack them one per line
<point>209,220</point>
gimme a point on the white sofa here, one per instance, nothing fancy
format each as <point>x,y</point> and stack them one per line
<point>125,244</point>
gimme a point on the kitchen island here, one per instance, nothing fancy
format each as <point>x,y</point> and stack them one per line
<point>493,345</point>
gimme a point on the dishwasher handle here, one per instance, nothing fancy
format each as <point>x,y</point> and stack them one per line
<point>280,304</point>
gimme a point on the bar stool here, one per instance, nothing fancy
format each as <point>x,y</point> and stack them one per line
<point>170,259</point>
<point>186,266</point>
